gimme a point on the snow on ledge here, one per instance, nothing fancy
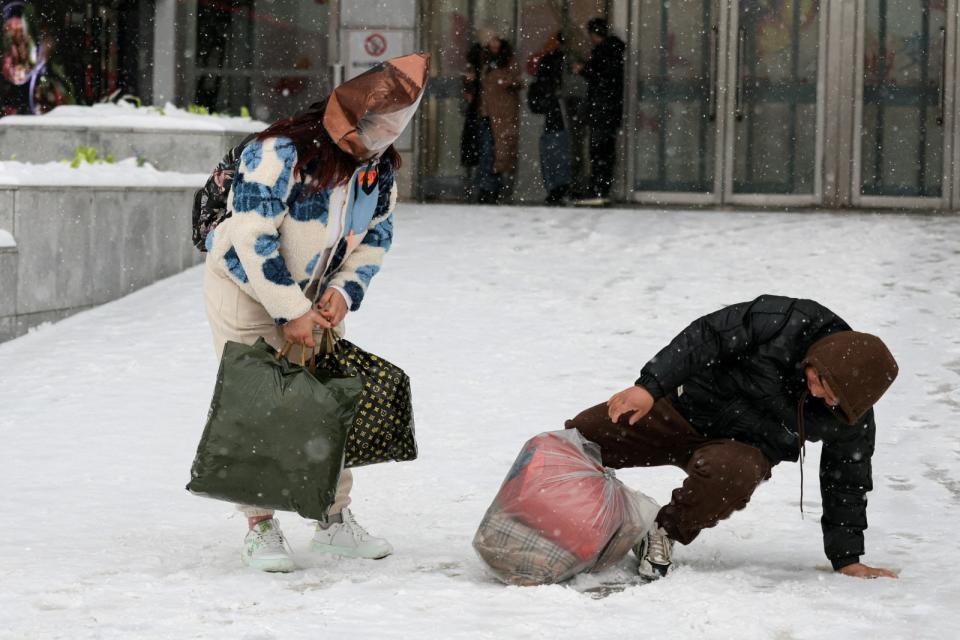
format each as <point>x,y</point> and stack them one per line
<point>6,239</point>
<point>127,116</point>
<point>124,173</point>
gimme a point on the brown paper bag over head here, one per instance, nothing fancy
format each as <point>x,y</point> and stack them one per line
<point>366,114</point>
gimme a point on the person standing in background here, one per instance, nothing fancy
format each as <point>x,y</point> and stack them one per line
<point>18,58</point>
<point>500,86</point>
<point>470,134</point>
<point>604,74</point>
<point>545,97</point>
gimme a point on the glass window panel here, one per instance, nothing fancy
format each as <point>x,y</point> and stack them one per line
<point>269,56</point>
<point>902,130</point>
<point>448,28</point>
<point>675,133</point>
<point>448,33</point>
<point>775,124</point>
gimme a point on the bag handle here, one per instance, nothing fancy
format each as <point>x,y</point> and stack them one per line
<point>287,345</point>
<point>328,341</point>
<point>326,344</point>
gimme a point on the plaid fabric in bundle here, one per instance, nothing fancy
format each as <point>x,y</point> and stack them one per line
<point>521,556</point>
<point>559,512</point>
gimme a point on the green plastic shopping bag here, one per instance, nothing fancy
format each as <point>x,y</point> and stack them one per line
<point>275,433</point>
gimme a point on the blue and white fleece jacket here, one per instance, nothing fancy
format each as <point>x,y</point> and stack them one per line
<point>277,230</point>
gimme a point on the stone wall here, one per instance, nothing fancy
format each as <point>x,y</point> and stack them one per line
<point>79,247</point>
<point>185,151</point>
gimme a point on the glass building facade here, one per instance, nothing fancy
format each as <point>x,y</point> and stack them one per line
<point>835,103</point>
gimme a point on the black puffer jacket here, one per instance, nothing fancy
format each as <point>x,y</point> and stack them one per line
<point>738,373</point>
<point>604,74</point>
<point>550,74</point>
<point>470,134</point>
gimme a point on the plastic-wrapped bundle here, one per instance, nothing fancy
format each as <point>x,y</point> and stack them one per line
<point>560,512</point>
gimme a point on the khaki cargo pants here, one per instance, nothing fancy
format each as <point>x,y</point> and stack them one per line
<point>233,315</point>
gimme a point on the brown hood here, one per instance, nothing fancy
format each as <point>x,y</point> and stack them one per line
<point>858,367</point>
<point>367,114</point>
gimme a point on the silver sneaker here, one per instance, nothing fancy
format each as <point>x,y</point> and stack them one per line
<point>265,549</point>
<point>348,538</point>
<point>655,552</point>
<point>592,201</point>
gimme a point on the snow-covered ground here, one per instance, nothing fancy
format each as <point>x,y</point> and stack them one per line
<point>509,321</point>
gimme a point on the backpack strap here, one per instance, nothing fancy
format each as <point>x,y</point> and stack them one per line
<point>210,201</point>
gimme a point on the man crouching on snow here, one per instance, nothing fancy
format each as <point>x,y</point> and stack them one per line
<point>729,398</point>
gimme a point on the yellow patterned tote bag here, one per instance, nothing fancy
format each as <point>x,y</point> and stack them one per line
<point>383,428</point>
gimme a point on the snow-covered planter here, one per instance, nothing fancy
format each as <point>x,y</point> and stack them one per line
<point>88,235</point>
<point>168,138</point>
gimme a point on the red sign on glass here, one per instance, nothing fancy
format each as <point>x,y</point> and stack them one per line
<point>375,45</point>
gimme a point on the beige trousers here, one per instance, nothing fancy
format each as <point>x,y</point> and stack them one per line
<point>233,315</point>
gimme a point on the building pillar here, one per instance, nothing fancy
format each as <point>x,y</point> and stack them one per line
<point>619,18</point>
<point>164,52</point>
<point>839,103</point>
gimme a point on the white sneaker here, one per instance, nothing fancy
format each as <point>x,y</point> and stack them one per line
<point>655,552</point>
<point>265,549</point>
<point>592,201</point>
<point>348,538</point>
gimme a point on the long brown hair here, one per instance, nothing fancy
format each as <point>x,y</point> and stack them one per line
<point>317,155</point>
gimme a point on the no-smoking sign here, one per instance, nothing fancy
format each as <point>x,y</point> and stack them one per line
<point>366,48</point>
<point>375,45</point>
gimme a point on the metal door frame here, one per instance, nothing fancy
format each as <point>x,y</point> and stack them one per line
<point>728,14</point>
<point>426,136</point>
<point>950,115</point>
<point>950,144</point>
<point>678,197</point>
<point>767,199</point>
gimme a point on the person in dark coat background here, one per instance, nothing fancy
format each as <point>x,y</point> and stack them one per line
<point>544,97</point>
<point>737,392</point>
<point>604,107</point>
<point>470,135</point>
<point>17,57</point>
